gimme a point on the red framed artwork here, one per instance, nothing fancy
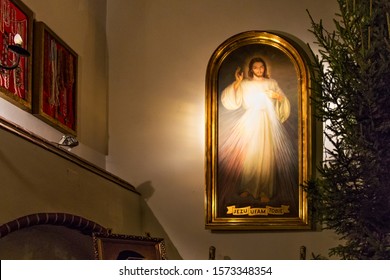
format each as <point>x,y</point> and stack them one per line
<point>55,80</point>
<point>16,84</point>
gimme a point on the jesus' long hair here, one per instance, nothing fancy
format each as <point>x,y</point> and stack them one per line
<point>253,61</point>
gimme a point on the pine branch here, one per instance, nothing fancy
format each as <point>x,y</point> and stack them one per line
<point>351,93</point>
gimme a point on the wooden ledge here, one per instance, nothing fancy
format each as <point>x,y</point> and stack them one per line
<point>58,150</point>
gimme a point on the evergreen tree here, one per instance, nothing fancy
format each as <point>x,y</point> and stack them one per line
<point>351,93</point>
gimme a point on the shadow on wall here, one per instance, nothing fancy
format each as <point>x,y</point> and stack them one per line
<point>150,225</point>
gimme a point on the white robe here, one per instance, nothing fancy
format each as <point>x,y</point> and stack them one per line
<point>256,141</point>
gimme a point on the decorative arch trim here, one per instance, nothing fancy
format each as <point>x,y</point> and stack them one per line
<point>57,219</point>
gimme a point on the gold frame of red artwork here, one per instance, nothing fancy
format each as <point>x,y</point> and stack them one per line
<point>57,114</point>
<point>24,70</point>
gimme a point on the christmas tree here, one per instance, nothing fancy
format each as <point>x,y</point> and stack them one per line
<point>351,93</point>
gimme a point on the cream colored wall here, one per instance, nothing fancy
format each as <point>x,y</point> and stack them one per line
<point>37,181</point>
<point>159,50</point>
<point>81,24</point>
<point>34,180</point>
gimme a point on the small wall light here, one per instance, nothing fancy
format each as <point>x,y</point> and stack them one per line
<point>18,50</point>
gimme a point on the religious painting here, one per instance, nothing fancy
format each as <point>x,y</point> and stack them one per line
<point>55,80</point>
<point>108,246</point>
<point>258,133</point>
<point>16,23</point>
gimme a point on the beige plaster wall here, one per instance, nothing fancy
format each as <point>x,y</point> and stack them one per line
<point>149,118</point>
<point>81,24</point>
<point>34,180</point>
<point>159,50</point>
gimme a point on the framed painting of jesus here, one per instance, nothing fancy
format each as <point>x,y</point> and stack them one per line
<point>259,133</point>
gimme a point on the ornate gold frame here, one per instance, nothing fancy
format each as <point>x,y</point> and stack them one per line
<point>55,82</point>
<point>109,246</point>
<point>295,51</point>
